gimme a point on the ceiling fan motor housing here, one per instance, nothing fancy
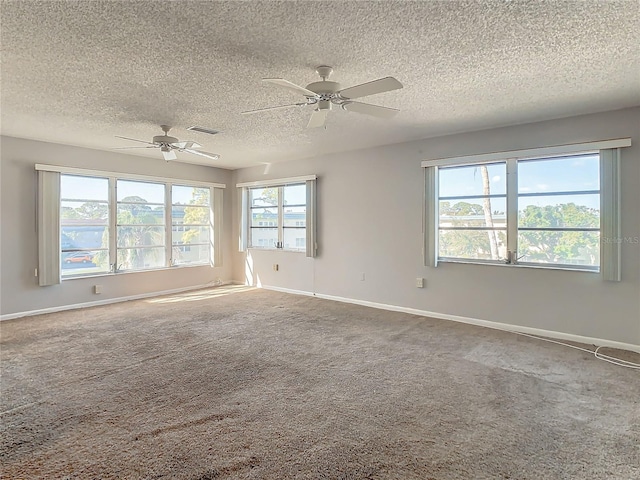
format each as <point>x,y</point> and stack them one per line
<point>326,91</point>
<point>164,139</point>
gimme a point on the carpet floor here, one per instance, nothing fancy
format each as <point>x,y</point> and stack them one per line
<point>235,382</point>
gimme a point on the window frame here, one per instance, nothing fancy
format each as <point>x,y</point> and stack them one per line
<point>47,255</point>
<point>609,195</point>
<point>310,244</point>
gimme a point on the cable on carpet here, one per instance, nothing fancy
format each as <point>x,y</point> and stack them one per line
<point>599,356</point>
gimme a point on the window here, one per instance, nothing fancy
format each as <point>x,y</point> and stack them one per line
<point>472,212</point>
<point>191,225</point>
<point>280,214</point>
<point>106,223</point>
<point>84,225</point>
<point>557,210</point>
<point>540,210</point>
<point>140,227</point>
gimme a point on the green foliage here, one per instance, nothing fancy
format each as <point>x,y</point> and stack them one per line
<point>568,247</point>
<point>135,228</point>
<point>196,214</point>
<point>559,247</point>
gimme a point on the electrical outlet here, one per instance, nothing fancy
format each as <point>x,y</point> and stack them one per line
<point>97,289</point>
<point>420,282</point>
<point>275,267</point>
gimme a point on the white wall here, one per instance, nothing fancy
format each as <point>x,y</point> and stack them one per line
<point>357,190</point>
<point>19,290</point>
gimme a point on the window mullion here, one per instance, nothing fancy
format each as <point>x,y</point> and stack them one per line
<point>168,225</point>
<point>113,230</point>
<point>281,216</point>
<point>512,210</point>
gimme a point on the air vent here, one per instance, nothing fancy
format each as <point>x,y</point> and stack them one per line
<point>195,128</point>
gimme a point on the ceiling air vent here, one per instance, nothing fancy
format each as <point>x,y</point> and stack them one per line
<point>195,128</point>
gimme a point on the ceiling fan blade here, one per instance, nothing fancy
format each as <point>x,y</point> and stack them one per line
<point>170,155</point>
<point>212,156</point>
<point>318,119</point>
<point>129,148</point>
<point>273,108</point>
<point>368,109</point>
<point>377,86</point>
<point>135,140</point>
<point>183,145</point>
<point>289,86</point>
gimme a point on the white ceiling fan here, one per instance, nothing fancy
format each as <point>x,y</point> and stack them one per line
<point>170,145</point>
<point>325,94</point>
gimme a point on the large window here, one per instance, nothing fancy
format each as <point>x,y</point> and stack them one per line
<point>84,225</point>
<point>280,215</point>
<point>539,210</point>
<point>110,224</point>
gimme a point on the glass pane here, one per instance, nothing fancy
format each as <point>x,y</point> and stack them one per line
<point>295,216</point>
<point>295,194</point>
<point>471,213</point>
<point>295,238</point>
<point>181,195</point>
<point>264,217</point>
<point>473,180</point>
<point>568,248</point>
<point>565,174</point>
<point>73,213</point>
<point>181,234</point>
<point>191,254</point>
<point>82,236</point>
<point>140,192</point>
<point>84,188</point>
<point>473,244</point>
<point>133,214</point>
<point>264,196</point>
<point>264,237</point>
<point>561,211</point>
<point>85,263</point>
<point>138,236</point>
<point>190,215</point>
<point>141,258</point>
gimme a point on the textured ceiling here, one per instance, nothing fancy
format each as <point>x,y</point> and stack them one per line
<point>79,73</point>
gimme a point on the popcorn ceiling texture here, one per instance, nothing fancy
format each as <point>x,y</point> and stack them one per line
<point>82,72</point>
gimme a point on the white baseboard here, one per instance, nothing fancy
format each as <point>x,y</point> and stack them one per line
<point>600,342</point>
<point>107,301</point>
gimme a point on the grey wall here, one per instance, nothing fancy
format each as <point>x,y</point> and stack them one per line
<point>19,291</point>
<point>370,220</point>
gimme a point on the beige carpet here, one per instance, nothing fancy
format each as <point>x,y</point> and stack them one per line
<point>240,383</point>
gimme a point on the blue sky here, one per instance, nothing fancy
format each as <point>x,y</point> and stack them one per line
<point>90,188</point>
<point>573,173</point>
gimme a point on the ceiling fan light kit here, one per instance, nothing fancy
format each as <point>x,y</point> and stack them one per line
<point>325,93</point>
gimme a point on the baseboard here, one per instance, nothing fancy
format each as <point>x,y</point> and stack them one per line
<point>600,342</point>
<point>62,308</point>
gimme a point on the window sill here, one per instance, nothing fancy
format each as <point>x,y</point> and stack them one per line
<point>260,249</point>
<point>567,268</point>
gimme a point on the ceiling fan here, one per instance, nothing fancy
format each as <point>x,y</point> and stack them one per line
<point>324,94</point>
<point>170,145</point>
